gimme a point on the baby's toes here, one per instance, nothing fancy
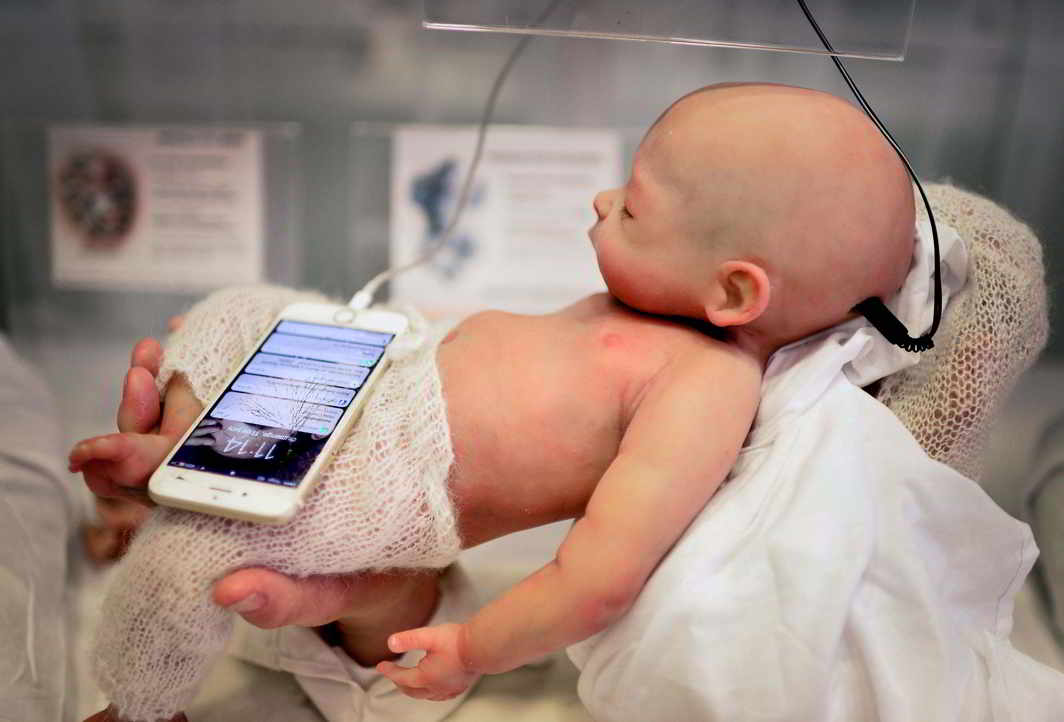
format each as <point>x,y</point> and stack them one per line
<point>109,447</point>
<point>125,460</point>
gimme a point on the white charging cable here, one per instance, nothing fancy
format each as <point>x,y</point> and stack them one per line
<point>365,295</point>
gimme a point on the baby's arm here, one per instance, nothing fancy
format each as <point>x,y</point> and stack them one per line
<point>681,442</point>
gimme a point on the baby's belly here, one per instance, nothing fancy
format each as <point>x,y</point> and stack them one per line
<point>534,421</point>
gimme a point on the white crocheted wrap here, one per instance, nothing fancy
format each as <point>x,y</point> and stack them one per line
<point>382,502</point>
<point>991,333</point>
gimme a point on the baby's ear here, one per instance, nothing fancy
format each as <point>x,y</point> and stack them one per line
<point>740,294</point>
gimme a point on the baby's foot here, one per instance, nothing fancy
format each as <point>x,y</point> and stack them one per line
<point>119,464</point>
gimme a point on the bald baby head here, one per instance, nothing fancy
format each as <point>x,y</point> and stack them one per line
<point>797,183</point>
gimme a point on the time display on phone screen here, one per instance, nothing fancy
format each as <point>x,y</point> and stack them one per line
<point>273,420</point>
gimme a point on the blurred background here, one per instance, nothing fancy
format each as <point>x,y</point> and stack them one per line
<point>977,101</point>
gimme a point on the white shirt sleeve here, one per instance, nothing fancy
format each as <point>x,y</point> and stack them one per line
<point>341,689</point>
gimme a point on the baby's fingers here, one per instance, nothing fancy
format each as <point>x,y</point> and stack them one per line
<point>412,682</point>
<point>410,679</point>
<point>420,638</point>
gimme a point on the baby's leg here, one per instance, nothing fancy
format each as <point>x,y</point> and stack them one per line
<point>382,503</point>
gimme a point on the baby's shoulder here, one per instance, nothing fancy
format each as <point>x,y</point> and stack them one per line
<point>706,361</point>
<point>658,352</point>
<point>698,366</point>
<point>699,405</point>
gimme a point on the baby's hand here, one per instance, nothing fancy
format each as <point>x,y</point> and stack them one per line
<point>441,674</point>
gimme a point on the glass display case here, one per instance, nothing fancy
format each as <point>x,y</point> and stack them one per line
<point>855,29</point>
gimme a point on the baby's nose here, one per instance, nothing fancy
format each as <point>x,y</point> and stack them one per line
<point>603,203</point>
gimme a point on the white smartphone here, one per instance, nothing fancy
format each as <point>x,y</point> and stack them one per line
<point>256,450</point>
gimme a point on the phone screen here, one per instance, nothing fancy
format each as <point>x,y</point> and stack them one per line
<point>273,420</point>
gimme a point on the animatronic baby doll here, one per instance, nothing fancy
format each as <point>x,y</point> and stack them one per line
<point>765,212</point>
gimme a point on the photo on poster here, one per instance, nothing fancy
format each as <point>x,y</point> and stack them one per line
<point>155,208</point>
<point>521,243</point>
<point>97,194</point>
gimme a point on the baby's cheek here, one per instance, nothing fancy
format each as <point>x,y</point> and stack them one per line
<point>611,274</point>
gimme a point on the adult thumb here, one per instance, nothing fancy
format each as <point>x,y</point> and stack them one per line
<point>269,599</point>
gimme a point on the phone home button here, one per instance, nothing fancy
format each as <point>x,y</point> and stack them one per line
<point>344,315</point>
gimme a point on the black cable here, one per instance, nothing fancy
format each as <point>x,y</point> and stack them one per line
<point>364,297</point>
<point>874,309</point>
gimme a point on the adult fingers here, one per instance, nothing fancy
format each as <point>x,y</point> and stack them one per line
<point>121,513</point>
<point>182,408</point>
<point>269,599</point>
<point>148,354</point>
<point>140,409</point>
<point>111,715</point>
<point>101,544</point>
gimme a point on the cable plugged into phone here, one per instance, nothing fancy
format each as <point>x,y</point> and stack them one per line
<point>324,375</point>
<point>361,300</point>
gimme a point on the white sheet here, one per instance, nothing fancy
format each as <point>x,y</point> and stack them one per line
<point>840,574</point>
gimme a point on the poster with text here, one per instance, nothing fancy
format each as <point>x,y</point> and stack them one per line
<point>155,208</point>
<point>521,243</point>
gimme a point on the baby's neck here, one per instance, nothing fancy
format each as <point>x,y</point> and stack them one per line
<point>754,345</point>
<point>751,341</point>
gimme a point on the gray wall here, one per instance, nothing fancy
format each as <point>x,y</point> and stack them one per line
<point>977,101</point>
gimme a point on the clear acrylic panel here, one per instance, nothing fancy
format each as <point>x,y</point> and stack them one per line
<point>855,28</point>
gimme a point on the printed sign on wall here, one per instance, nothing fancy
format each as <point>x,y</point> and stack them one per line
<point>160,208</point>
<point>521,244</point>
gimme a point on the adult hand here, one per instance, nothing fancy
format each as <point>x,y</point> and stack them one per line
<point>110,715</point>
<point>366,607</point>
<point>107,540</point>
<point>120,512</point>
